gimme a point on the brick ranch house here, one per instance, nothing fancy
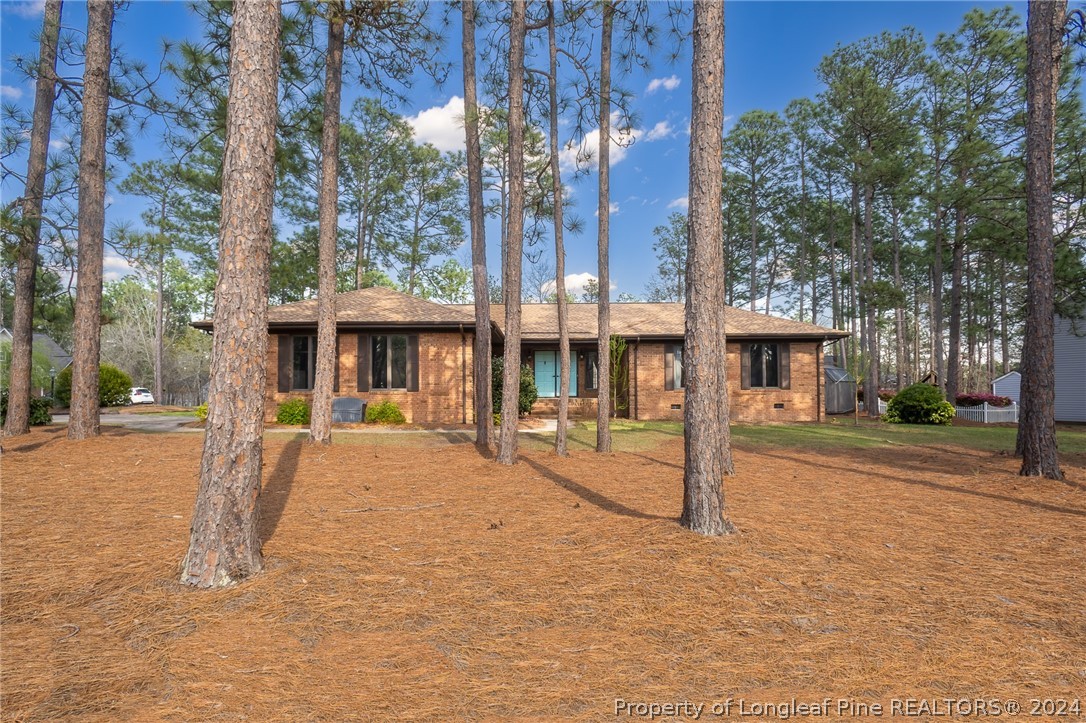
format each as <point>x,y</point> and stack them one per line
<point>418,354</point>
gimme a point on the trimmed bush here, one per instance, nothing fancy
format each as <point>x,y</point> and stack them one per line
<point>528,392</point>
<point>385,413</point>
<point>919,404</point>
<point>293,411</point>
<point>201,412</point>
<point>39,410</point>
<point>975,400</point>
<point>114,387</point>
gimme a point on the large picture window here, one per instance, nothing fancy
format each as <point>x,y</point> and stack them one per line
<point>388,355</point>
<point>765,366</point>
<point>303,362</point>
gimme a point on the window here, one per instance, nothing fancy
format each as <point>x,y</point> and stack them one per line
<point>389,361</point>
<point>679,377</point>
<point>765,366</point>
<point>591,369</point>
<point>303,361</point>
<point>674,374</point>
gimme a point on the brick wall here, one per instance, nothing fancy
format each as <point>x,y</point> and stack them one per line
<point>440,398</point>
<point>749,405</point>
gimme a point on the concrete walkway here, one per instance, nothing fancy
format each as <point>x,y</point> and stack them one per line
<point>176,423</point>
<point>143,422</point>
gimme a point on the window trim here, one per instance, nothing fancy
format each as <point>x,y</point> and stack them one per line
<point>778,356</point>
<point>588,376</point>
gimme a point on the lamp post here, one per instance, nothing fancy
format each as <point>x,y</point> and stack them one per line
<point>52,384</point>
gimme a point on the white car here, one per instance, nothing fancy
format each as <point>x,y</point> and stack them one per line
<point>139,395</point>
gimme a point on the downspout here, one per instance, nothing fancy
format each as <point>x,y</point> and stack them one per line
<point>637,398</point>
<point>818,379</point>
<point>463,378</point>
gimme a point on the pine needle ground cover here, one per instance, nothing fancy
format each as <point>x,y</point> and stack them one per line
<point>426,583</point>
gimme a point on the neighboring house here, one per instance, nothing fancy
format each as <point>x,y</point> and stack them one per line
<point>1069,357</point>
<point>44,345</point>
<point>395,347</point>
<point>1008,386</point>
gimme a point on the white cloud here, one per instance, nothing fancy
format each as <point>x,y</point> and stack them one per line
<point>10,92</point>
<point>59,144</point>
<point>669,83</point>
<point>575,284</point>
<point>115,267</point>
<point>683,203</point>
<point>26,9</point>
<point>441,126</point>
<point>612,207</point>
<point>586,155</point>
<point>660,131</point>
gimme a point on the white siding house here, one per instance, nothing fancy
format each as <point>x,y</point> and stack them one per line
<point>1070,360</point>
<point>1008,386</point>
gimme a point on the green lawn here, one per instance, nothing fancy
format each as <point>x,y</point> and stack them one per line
<point>627,435</point>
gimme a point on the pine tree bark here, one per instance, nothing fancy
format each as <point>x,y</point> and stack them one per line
<point>603,237</point>
<point>1036,441</point>
<point>954,345</point>
<point>26,264</point>
<point>224,546</point>
<point>707,441</point>
<point>84,419</point>
<point>320,421</point>
<point>871,378</point>
<point>559,241</point>
<point>484,410</point>
<point>899,311</point>
<point>507,441</point>
<point>160,319</point>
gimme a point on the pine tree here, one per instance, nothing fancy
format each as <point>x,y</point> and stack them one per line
<point>22,336</point>
<point>224,546</point>
<point>84,419</point>
<point>705,412</point>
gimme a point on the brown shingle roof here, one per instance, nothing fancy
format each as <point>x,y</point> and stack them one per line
<point>646,319</point>
<point>378,306</point>
<point>375,306</point>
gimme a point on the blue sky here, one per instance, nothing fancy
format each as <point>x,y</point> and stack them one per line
<point>772,50</point>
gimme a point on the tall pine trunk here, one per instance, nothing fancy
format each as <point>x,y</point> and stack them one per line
<point>224,546</point>
<point>1037,425</point>
<point>603,239</point>
<point>160,318</point>
<point>484,416</point>
<point>899,311</point>
<point>87,329</point>
<point>26,264</point>
<point>559,241</point>
<point>507,441</point>
<point>320,423</point>
<point>957,265</point>
<point>708,455</point>
<point>871,378</point>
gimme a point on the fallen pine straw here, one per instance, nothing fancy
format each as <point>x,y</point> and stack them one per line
<point>544,591</point>
<point>394,509</point>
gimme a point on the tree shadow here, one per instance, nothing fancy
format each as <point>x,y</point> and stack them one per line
<point>34,445</point>
<point>591,496</point>
<point>276,491</point>
<point>822,465</point>
<point>657,461</point>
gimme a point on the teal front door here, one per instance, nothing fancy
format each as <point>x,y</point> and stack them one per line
<point>547,373</point>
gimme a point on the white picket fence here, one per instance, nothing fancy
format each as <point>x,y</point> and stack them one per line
<point>985,413</point>
<point>988,414</point>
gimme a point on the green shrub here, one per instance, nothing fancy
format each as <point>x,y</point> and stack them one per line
<point>528,392</point>
<point>39,410</point>
<point>385,413</point>
<point>114,387</point>
<point>293,411</point>
<point>919,404</point>
<point>201,412</point>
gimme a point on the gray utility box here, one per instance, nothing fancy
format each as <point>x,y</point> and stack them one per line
<point>348,409</point>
